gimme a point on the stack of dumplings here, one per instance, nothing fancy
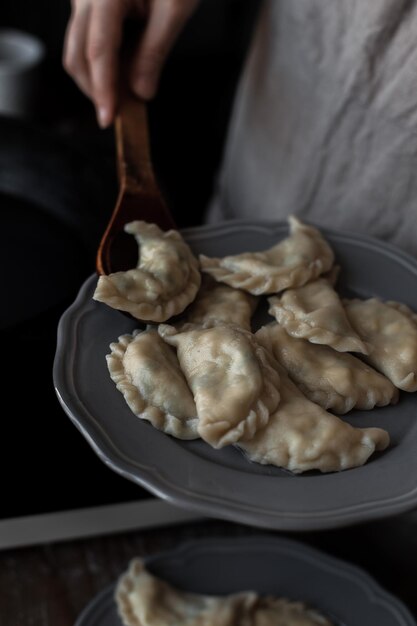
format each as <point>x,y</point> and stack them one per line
<point>275,394</point>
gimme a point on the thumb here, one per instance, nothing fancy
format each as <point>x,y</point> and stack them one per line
<point>165,22</point>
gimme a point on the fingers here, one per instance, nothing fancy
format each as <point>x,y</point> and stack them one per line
<point>165,21</point>
<point>102,51</point>
<point>93,39</point>
<point>91,51</point>
<point>74,59</point>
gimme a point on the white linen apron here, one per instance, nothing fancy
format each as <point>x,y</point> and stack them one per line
<point>325,119</point>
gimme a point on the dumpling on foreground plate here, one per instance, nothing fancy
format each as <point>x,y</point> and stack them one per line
<point>390,331</point>
<point>272,611</point>
<point>235,389</point>
<point>301,436</point>
<point>315,312</point>
<point>146,371</point>
<point>219,305</point>
<point>334,380</point>
<point>145,600</point>
<point>165,281</point>
<point>292,262</point>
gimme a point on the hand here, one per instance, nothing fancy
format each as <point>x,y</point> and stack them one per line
<point>93,39</point>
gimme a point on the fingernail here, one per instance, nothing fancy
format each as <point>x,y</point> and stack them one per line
<point>144,87</point>
<point>103,117</point>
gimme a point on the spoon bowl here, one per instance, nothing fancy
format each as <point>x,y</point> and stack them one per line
<point>139,195</point>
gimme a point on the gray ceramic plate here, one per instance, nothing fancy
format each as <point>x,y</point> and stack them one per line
<point>222,483</point>
<point>268,565</point>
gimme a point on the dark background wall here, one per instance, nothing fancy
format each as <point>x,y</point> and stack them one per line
<point>189,116</point>
<point>57,189</point>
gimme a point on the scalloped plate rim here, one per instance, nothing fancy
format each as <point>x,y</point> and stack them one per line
<point>210,504</point>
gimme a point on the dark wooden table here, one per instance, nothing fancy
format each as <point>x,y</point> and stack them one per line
<point>49,585</point>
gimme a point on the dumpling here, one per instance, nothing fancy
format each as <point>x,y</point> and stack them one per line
<point>335,381</point>
<point>299,258</point>
<point>272,611</point>
<point>301,436</point>
<point>390,331</point>
<point>146,600</point>
<point>315,312</point>
<point>164,282</point>
<point>404,309</point>
<point>220,305</point>
<point>234,388</point>
<point>146,371</point>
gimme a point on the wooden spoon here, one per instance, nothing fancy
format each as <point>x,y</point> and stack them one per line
<point>139,196</point>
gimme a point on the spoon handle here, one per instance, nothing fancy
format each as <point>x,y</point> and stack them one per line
<point>139,196</point>
<point>132,144</point>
